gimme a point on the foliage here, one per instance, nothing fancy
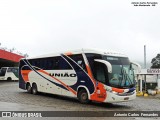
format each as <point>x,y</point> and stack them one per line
<point>156,62</point>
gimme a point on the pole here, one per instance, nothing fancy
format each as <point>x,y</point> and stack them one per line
<point>145,92</point>
<point>144,56</point>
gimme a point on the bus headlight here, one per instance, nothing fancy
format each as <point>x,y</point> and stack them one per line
<point>114,92</point>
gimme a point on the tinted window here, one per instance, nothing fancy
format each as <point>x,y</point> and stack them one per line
<point>100,72</point>
<point>91,57</point>
<point>9,70</point>
<point>63,65</point>
<point>12,70</point>
<point>79,60</point>
<point>3,71</point>
<point>53,63</point>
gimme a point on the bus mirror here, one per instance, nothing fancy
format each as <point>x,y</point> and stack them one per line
<point>108,65</point>
<point>138,67</point>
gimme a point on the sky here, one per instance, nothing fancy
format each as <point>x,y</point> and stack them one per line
<point>38,27</point>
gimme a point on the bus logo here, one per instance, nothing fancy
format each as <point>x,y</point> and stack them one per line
<point>6,114</point>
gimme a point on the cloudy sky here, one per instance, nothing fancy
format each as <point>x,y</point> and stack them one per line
<point>41,27</point>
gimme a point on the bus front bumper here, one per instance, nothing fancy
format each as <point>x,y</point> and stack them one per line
<point>114,98</point>
<point>2,78</point>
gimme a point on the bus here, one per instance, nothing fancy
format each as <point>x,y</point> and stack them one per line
<point>86,74</point>
<point>9,73</point>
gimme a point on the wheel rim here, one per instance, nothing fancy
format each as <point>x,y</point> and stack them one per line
<point>9,79</point>
<point>84,97</point>
<point>28,88</point>
<point>34,90</point>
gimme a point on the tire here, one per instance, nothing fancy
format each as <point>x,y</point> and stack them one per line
<point>9,79</point>
<point>34,89</point>
<point>83,96</point>
<point>29,88</point>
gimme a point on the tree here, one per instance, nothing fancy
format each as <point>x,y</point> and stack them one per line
<point>156,62</point>
<point>26,55</point>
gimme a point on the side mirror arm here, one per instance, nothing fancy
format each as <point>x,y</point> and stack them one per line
<point>137,65</point>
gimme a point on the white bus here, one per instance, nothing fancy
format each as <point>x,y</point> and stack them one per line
<point>89,75</point>
<point>9,73</point>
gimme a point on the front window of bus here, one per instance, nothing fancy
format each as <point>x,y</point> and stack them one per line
<point>122,75</point>
<point>3,71</point>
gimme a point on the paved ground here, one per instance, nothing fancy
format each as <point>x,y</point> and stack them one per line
<point>14,99</point>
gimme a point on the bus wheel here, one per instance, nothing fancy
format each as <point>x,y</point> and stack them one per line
<point>29,88</point>
<point>83,96</point>
<point>34,89</point>
<point>9,79</point>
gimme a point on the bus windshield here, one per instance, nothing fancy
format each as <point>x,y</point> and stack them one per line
<point>3,71</point>
<point>122,75</point>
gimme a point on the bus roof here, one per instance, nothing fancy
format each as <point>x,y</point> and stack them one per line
<point>96,51</point>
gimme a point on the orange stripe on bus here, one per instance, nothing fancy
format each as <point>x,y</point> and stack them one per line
<point>89,72</point>
<point>68,53</point>
<point>25,74</point>
<point>70,89</point>
<point>100,93</point>
<point>118,90</point>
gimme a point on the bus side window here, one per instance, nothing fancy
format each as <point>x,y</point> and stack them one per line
<point>100,72</point>
<point>9,70</point>
<point>51,63</point>
<point>79,60</point>
<point>55,63</point>
<point>15,70</point>
<point>64,65</point>
<point>91,57</point>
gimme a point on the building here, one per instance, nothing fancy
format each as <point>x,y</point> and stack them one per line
<point>9,59</point>
<point>148,79</point>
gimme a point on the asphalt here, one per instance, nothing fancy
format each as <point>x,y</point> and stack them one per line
<point>14,99</point>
